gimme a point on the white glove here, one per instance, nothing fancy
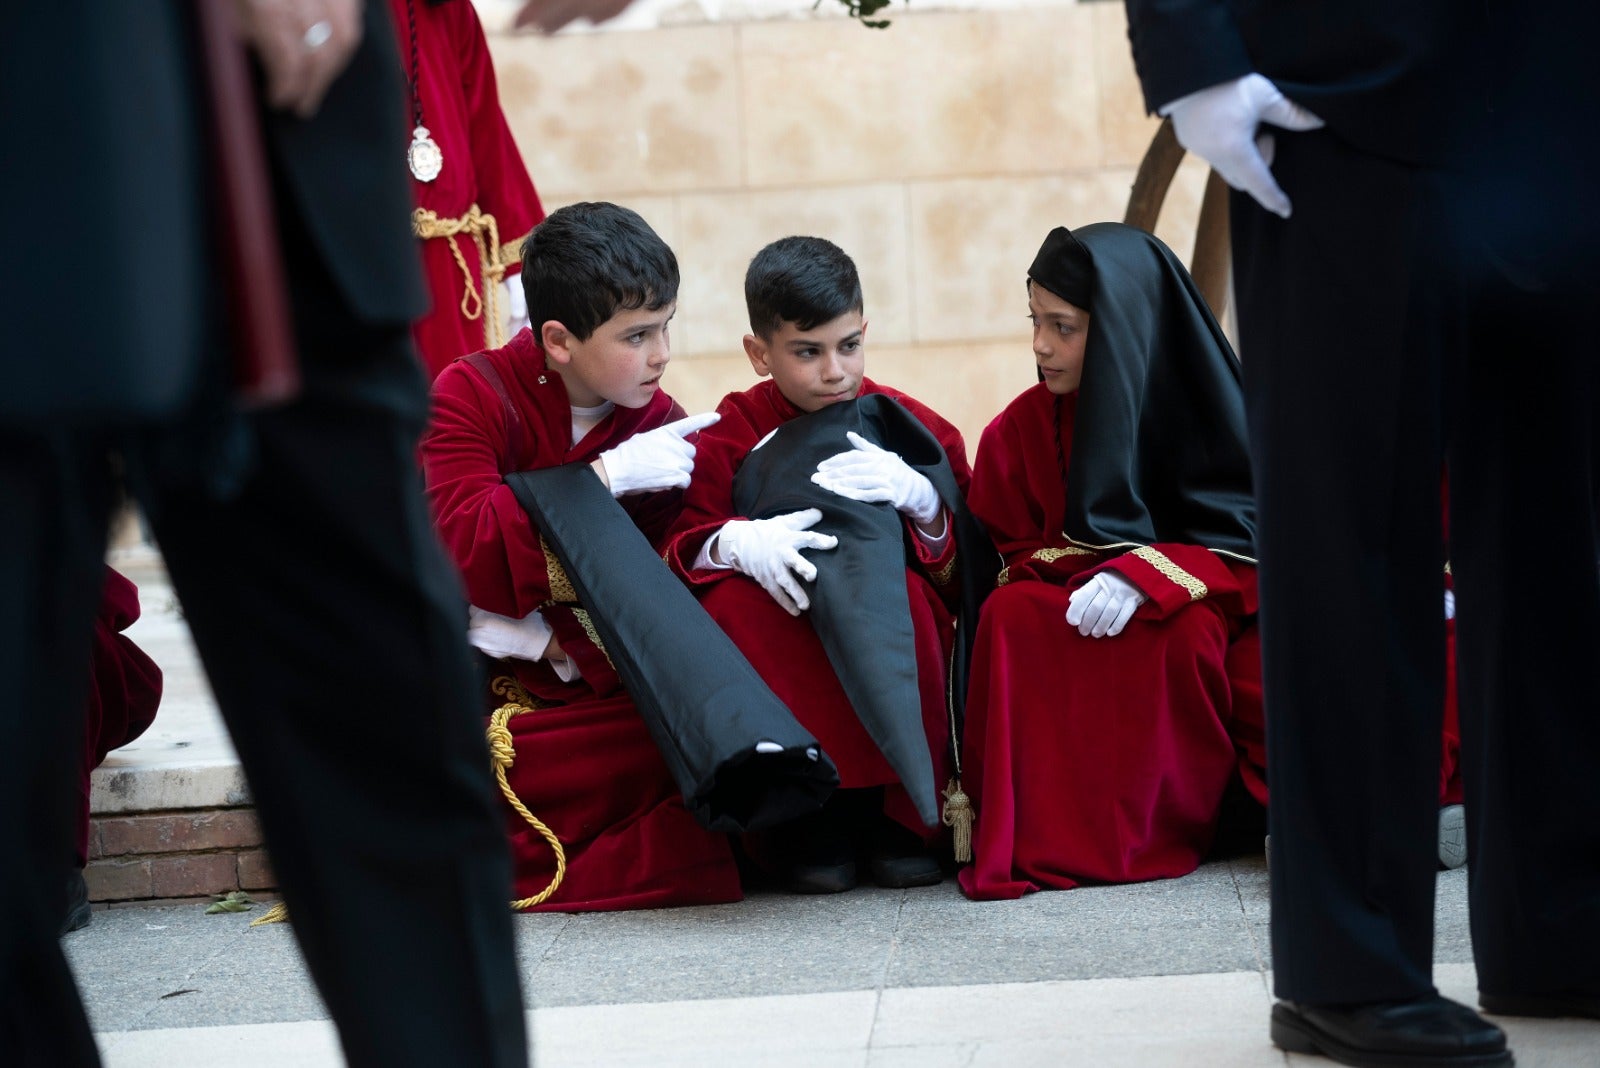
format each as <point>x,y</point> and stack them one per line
<point>517,302</point>
<point>1449,604</point>
<point>768,550</point>
<point>1101,607</point>
<point>868,473</point>
<point>1220,123</point>
<point>655,460</point>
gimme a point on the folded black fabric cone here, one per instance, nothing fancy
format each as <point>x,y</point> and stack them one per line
<point>705,706</point>
<point>858,601</point>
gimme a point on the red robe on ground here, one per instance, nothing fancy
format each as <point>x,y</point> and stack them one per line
<point>1096,759</point>
<point>482,166</point>
<point>784,649</point>
<point>124,689</point>
<point>585,763</point>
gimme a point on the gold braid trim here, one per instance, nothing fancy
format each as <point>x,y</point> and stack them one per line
<point>1163,563</point>
<point>485,234</point>
<point>560,585</point>
<point>1044,556</point>
<point>588,628</point>
<point>510,252</point>
<point>1050,556</point>
<point>942,576</point>
<point>502,755</point>
<point>1447,570</point>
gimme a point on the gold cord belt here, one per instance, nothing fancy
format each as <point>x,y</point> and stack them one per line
<point>481,300</point>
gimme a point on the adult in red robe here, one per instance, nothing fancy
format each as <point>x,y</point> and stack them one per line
<point>584,762</point>
<point>473,215</point>
<point>784,648</point>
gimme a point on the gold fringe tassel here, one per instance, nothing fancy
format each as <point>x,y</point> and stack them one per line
<point>958,817</point>
<point>502,754</point>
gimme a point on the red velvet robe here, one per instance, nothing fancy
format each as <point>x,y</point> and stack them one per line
<point>585,763</point>
<point>1097,759</point>
<point>784,649</point>
<point>482,166</point>
<point>124,689</point>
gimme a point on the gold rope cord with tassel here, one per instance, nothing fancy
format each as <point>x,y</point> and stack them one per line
<point>278,913</point>
<point>958,812</point>
<point>502,754</point>
<point>481,227</point>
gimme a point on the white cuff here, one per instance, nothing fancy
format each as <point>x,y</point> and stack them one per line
<point>932,544</point>
<point>704,561</point>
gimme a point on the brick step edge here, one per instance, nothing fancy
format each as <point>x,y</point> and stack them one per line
<point>188,853</point>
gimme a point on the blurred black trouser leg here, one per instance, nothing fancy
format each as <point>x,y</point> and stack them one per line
<point>56,493</point>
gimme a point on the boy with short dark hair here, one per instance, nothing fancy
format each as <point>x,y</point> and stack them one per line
<point>807,341</point>
<point>580,385</point>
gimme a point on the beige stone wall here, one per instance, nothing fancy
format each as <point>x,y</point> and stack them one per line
<point>938,153</point>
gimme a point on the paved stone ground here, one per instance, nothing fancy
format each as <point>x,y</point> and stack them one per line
<point>1168,973</point>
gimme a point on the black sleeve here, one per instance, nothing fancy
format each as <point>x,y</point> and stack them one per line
<point>1181,46</point>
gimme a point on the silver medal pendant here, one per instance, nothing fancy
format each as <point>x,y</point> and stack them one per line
<point>424,157</point>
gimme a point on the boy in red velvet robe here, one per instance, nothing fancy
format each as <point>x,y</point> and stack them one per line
<point>808,342</point>
<point>582,388</point>
<point>473,213</point>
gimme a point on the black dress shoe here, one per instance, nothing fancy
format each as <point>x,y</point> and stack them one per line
<point>1576,1001</point>
<point>1420,1033</point>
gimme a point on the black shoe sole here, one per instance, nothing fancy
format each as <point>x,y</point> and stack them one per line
<point>1295,1034</point>
<point>1586,1006</point>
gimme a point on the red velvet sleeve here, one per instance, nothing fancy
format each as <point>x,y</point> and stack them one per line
<point>940,567</point>
<point>497,549</point>
<point>1174,575</point>
<point>708,502</point>
<point>504,188</point>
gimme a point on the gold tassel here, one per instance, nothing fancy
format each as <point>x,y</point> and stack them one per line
<point>278,913</point>
<point>958,817</point>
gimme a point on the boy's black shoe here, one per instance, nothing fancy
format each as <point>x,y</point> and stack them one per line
<point>1576,1001</point>
<point>898,859</point>
<point>1420,1033</point>
<point>818,855</point>
<point>78,914</point>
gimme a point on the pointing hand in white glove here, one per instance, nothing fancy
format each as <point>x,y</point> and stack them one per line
<point>768,550</point>
<point>658,459</point>
<point>866,472</point>
<point>1220,124</point>
<point>1101,607</point>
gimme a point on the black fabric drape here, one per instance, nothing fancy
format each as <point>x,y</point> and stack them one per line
<point>703,703</point>
<point>1160,451</point>
<point>858,602</point>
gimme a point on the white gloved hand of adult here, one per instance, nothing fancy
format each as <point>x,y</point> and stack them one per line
<point>658,459</point>
<point>1221,125</point>
<point>516,302</point>
<point>866,472</point>
<point>1449,604</point>
<point>1101,607</point>
<point>768,550</point>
